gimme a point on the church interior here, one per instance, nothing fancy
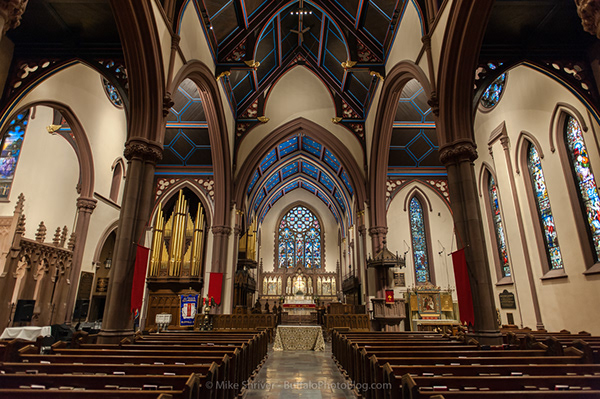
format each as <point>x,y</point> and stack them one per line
<point>382,176</point>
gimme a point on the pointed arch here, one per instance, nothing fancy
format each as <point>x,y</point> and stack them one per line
<point>204,79</point>
<point>85,158</point>
<point>522,140</point>
<point>172,191</point>
<point>420,237</point>
<point>564,118</point>
<point>287,130</point>
<point>545,233</point>
<point>419,192</point>
<point>395,81</point>
<point>291,249</point>
<point>496,226</point>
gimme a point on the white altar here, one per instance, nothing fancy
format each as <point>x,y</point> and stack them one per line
<point>299,305</point>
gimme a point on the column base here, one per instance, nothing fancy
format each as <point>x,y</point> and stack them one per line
<point>486,337</point>
<point>114,336</point>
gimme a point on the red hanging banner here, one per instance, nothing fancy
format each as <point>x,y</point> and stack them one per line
<point>139,277</point>
<point>463,287</point>
<point>389,296</point>
<point>214,287</point>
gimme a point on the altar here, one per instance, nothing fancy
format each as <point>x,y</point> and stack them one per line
<point>297,338</point>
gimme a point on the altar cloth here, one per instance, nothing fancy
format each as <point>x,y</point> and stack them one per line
<point>298,338</point>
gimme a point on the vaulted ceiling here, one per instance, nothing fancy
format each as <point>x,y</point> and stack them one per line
<point>344,42</point>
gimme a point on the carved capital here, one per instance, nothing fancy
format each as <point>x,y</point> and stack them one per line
<point>221,230</point>
<point>378,231</point>
<point>86,204</point>
<point>142,150</point>
<point>465,151</point>
<point>362,229</point>
<point>12,11</point>
<point>237,231</point>
<point>589,12</point>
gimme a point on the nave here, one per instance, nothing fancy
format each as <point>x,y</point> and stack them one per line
<point>300,374</point>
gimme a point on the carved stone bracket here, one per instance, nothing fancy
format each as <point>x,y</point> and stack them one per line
<point>453,154</point>
<point>12,11</point>
<point>589,12</point>
<point>378,231</point>
<point>145,151</point>
<point>221,230</point>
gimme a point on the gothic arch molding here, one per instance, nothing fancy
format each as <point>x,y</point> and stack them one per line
<point>84,154</point>
<point>521,148</point>
<point>172,191</point>
<point>142,51</point>
<point>319,133</point>
<point>103,237</point>
<point>417,191</point>
<point>401,74</point>
<point>208,89</point>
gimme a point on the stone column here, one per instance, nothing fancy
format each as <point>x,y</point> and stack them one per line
<point>135,211</point>
<point>377,234</point>
<point>11,12</point>
<point>462,186</point>
<point>85,207</point>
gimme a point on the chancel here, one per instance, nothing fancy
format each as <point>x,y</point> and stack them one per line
<point>394,198</point>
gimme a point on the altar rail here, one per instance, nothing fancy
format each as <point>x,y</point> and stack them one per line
<point>243,321</point>
<point>355,322</point>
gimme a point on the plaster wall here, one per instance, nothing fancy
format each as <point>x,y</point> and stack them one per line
<point>299,93</point>
<point>407,43</point>
<point>164,37</point>
<point>440,228</point>
<point>48,170</point>
<point>528,104</point>
<point>193,42</point>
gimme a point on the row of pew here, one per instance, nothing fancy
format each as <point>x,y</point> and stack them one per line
<point>172,365</point>
<point>414,365</point>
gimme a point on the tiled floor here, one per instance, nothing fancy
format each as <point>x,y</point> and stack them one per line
<point>299,374</point>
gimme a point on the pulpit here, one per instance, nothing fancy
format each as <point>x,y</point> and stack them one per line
<point>389,315</point>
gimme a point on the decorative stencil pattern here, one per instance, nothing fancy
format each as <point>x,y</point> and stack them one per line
<point>299,239</point>
<point>586,182</point>
<point>499,227</point>
<point>12,140</point>
<point>207,185</point>
<point>419,241</point>
<point>538,182</point>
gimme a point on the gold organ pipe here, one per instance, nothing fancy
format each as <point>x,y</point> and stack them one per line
<point>174,240</point>
<point>156,242</point>
<point>177,236</point>
<point>197,243</point>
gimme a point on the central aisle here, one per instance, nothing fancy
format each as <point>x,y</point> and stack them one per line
<point>299,374</point>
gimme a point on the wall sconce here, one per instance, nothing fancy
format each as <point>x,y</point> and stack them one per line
<point>108,263</point>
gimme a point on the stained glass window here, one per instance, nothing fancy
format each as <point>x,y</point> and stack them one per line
<point>112,93</point>
<point>419,241</point>
<point>12,141</point>
<point>299,239</point>
<point>498,228</point>
<point>492,94</point>
<point>586,182</point>
<point>538,182</point>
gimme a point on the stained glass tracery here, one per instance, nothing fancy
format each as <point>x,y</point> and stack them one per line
<point>10,151</point>
<point>498,227</point>
<point>419,241</point>
<point>299,239</point>
<point>586,182</point>
<point>538,182</point>
<point>491,96</point>
<point>112,93</point>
